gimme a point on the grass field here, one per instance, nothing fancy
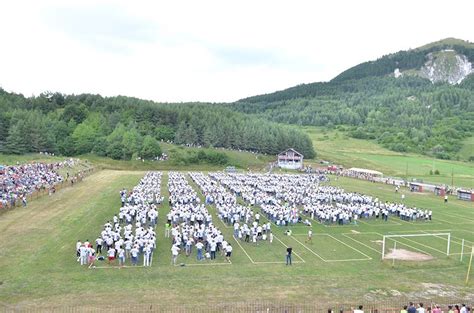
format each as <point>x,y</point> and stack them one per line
<point>337,147</point>
<point>38,267</point>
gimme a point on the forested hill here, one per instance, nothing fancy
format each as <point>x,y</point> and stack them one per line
<point>414,60</point>
<point>408,112</point>
<point>125,127</point>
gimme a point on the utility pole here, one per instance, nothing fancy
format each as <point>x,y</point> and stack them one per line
<point>406,174</point>
<point>452,178</point>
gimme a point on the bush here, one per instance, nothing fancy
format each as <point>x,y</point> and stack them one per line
<point>436,172</point>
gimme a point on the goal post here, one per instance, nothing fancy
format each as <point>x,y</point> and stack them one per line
<point>411,238</point>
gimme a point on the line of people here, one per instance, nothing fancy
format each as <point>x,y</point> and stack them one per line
<point>290,199</point>
<point>191,223</point>
<point>247,225</point>
<point>130,234</point>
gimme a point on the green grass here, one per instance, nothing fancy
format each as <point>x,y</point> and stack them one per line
<point>8,159</point>
<point>241,160</point>
<point>38,265</point>
<point>467,150</point>
<point>338,148</point>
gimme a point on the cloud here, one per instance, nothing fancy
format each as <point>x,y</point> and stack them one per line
<point>206,50</point>
<point>107,28</point>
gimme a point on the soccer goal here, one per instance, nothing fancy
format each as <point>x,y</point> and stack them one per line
<point>415,247</point>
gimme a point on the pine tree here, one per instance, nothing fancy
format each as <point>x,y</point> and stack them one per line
<point>16,140</point>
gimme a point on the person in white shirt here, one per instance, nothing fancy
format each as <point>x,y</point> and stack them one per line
<point>111,255</point>
<point>174,252</point>
<point>83,251</point>
<point>228,252</point>
<point>91,257</point>
<point>199,247</point>
<point>134,254</point>
<point>121,257</point>
<point>78,251</point>
<point>98,244</point>
<point>147,255</point>
<point>420,308</point>
<point>310,236</point>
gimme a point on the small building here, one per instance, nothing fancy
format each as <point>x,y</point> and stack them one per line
<point>290,159</point>
<point>466,195</point>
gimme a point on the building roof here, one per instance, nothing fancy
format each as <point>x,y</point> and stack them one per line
<point>290,149</point>
<point>365,171</point>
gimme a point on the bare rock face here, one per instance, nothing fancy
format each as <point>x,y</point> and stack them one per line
<point>446,66</point>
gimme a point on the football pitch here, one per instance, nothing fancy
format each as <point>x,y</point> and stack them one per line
<point>38,266</point>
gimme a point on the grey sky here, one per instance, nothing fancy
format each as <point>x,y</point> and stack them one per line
<point>207,50</point>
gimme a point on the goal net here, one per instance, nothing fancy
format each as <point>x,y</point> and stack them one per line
<point>416,247</point>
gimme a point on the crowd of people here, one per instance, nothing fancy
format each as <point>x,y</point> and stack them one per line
<point>248,227</point>
<point>19,181</point>
<point>130,234</point>
<point>190,223</point>
<point>290,199</point>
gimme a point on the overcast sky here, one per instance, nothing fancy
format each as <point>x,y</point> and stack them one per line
<point>208,50</point>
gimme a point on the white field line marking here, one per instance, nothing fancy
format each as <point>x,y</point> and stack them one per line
<point>444,221</point>
<point>310,249</point>
<point>348,260</point>
<point>287,247</point>
<point>422,251</point>
<point>453,241</point>
<point>371,224</point>
<point>278,262</point>
<point>435,230</point>
<point>115,266</point>
<point>236,240</point>
<point>203,264</point>
<point>417,230</point>
<point>314,234</point>
<point>355,249</point>
<point>453,215</point>
<point>369,247</point>
<point>421,244</point>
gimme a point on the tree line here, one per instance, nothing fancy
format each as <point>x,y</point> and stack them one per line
<point>125,127</point>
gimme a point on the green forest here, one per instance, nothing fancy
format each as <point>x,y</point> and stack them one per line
<point>405,114</point>
<point>125,127</point>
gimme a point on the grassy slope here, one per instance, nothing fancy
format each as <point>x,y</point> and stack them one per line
<point>242,160</point>
<point>14,159</point>
<point>341,149</point>
<point>38,266</point>
<point>467,149</point>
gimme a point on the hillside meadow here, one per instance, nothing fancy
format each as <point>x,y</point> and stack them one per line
<point>335,146</point>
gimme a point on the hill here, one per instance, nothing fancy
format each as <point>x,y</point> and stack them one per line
<point>427,108</point>
<point>446,57</point>
<point>125,128</point>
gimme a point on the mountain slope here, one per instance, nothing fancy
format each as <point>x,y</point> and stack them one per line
<point>416,59</point>
<point>428,108</point>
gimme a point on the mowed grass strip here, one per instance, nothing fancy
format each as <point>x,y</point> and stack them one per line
<point>338,147</point>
